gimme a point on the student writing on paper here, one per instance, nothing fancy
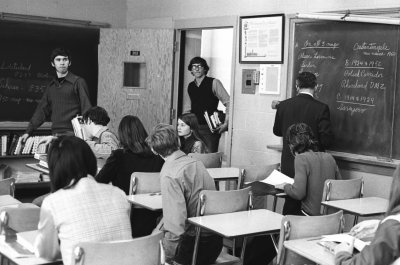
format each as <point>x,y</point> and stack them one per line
<point>79,208</point>
<point>311,169</point>
<point>135,156</point>
<point>190,139</point>
<point>100,138</point>
<point>385,245</point>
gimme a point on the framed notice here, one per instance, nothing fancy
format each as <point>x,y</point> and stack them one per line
<point>261,39</point>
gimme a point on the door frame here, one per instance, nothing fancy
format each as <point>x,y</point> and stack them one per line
<point>206,23</point>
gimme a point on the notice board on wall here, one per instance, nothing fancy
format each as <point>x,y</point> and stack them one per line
<point>25,66</point>
<point>357,69</point>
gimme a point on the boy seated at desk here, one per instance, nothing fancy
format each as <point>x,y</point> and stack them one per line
<point>79,208</point>
<point>182,179</point>
<point>100,138</point>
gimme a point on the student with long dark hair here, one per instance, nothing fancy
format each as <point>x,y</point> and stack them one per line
<point>79,209</point>
<point>189,136</point>
<point>135,156</point>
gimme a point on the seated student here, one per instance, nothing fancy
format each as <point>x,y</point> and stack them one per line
<point>311,168</point>
<point>182,179</point>
<point>189,136</point>
<point>135,156</point>
<point>100,138</point>
<point>79,209</point>
<point>385,245</point>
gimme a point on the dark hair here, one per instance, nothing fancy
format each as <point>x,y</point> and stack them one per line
<point>201,61</point>
<point>394,197</point>
<point>163,139</point>
<point>301,138</point>
<point>96,114</point>
<point>60,51</point>
<point>306,80</point>
<point>191,120</point>
<point>132,135</point>
<point>70,159</point>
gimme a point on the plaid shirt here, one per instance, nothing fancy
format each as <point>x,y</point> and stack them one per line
<point>89,211</point>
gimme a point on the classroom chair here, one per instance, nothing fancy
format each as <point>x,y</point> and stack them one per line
<point>144,182</point>
<point>7,186</point>
<point>210,203</point>
<point>296,227</point>
<point>24,217</point>
<point>252,173</point>
<point>210,160</point>
<point>144,251</point>
<point>341,190</point>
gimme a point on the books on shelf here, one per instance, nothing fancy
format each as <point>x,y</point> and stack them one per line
<point>11,144</point>
<point>214,120</point>
<point>77,125</point>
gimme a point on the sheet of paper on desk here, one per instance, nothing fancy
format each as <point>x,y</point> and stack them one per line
<point>276,178</point>
<point>358,244</point>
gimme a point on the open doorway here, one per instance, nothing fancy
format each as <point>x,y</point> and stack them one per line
<point>215,46</point>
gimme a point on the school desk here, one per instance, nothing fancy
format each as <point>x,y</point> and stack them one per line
<point>151,201</point>
<point>366,206</point>
<point>224,174</point>
<point>240,224</point>
<point>310,249</point>
<point>9,251</point>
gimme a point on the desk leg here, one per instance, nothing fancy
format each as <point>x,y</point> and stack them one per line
<point>274,241</point>
<point>274,204</point>
<point>243,249</point>
<point>355,220</point>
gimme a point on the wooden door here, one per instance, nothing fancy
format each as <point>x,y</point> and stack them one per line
<point>152,103</point>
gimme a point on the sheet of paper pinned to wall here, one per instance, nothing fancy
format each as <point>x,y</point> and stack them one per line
<point>270,78</point>
<point>276,178</point>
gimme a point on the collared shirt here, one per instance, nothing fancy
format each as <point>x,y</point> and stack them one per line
<point>182,179</point>
<point>103,142</point>
<point>89,211</point>
<point>307,93</point>
<point>61,102</point>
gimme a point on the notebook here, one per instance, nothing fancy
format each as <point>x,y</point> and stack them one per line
<point>27,239</point>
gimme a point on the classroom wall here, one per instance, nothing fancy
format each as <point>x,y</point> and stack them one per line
<point>253,116</point>
<point>104,11</point>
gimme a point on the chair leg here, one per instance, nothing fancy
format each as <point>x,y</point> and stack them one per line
<point>234,247</point>
<point>243,249</point>
<point>355,220</point>
<point>196,245</point>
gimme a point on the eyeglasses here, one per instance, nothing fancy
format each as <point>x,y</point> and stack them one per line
<point>197,67</point>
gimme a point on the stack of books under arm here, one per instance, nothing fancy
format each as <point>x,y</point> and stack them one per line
<point>214,120</point>
<point>11,144</point>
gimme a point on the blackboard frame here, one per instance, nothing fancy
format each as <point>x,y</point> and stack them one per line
<point>346,156</point>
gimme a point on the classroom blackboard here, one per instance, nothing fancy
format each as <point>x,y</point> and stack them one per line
<point>356,65</point>
<point>25,68</point>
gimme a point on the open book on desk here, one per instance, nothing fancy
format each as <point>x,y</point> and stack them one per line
<point>329,242</point>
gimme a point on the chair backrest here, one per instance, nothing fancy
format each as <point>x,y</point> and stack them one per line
<point>255,172</point>
<point>144,182</point>
<point>342,190</point>
<point>216,202</point>
<point>23,218</point>
<point>7,186</point>
<point>295,227</point>
<point>143,250</point>
<point>210,160</point>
